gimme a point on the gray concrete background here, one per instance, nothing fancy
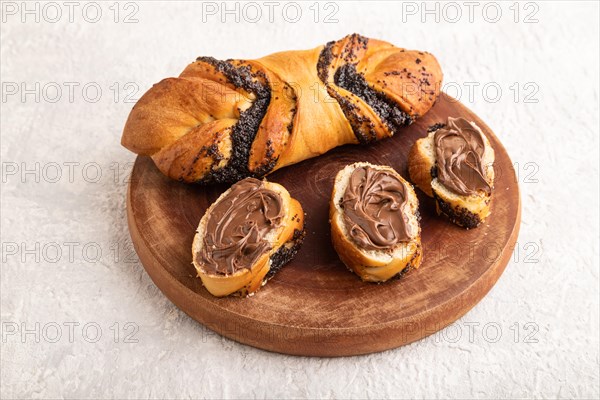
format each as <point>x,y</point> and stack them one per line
<point>68,269</point>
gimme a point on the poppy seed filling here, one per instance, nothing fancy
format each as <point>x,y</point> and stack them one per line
<point>244,131</point>
<point>347,77</point>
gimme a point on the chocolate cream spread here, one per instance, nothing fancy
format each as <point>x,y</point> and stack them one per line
<point>459,148</point>
<point>236,228</point>
<point>373,206</point>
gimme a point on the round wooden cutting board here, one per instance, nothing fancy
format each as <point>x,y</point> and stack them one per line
<point>314,305</point>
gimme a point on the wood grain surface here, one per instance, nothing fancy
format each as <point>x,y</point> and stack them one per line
<point>314,306</point>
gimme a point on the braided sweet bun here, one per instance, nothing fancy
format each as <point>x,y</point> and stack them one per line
<point>222,121</point>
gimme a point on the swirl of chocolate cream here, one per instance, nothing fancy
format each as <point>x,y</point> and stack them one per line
<point>373,209</point>
<point>459,148</point>
<point>236,229</point>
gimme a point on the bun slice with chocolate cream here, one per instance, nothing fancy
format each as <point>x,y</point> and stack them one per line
<point>249,233</point>
<point>375,222</point>
<point>454,164</point>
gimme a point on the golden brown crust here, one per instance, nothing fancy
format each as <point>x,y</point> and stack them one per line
<point>412,78</point>
<point>197,152</point>
<point>319,124</point>
<point>274,132</point>
<point>369,269</point>
<point>247,281</point>
<point>369,266</point>
<point>419,166</point>
<point>280,109</point>
<point>173,107</point>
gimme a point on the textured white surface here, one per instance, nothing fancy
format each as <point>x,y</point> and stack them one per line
<point>552,283</point>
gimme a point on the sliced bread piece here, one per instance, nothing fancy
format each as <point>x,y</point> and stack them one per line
<point>245,236</point>
<point>387,241</point>
<point>471,207</point>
